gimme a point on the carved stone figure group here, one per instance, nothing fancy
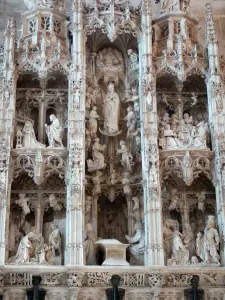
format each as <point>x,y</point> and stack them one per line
<point>33,250</point>
<point>175,134</point>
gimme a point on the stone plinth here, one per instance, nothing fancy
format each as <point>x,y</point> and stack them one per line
<point>115,252</point>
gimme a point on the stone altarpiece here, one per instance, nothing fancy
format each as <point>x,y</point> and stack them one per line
<point>112,144</point>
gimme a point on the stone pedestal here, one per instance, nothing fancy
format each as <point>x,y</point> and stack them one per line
<point>115,252</point>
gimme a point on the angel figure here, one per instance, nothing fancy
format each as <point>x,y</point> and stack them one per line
<point>22,202</point>
<point>126,157</point>
<point>174,199</point>
<point>131,121</point>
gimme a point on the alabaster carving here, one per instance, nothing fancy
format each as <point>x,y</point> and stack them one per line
<point>180,254</point>
<point>98,162</point>
<point>28,137</point>
<point>89,245</point>
<point>201,200</point>
<point>111,109</point>
<point>174,199</point>
<point>126,183</point>
<point>54,132</point>
<point>53,202</point>
<point>131,121</point>
<point>207,244</point>
<point>136,209</point>
<point>174,5</point>
<point>97,179</point>
<point>175,133</point>
<point>110,60</point>
<point>126,157</point>
<point>55,241</point>
<point>92,122</point>
<point>23,203</point>
<point>138,244</point>
<point>88,206</point>
<point>133,56</point>
<point>169,226</point>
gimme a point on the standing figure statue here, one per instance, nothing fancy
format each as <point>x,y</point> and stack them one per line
<point>89,245</point>
<point>133,59</point>
<point>111,111</point>
<point>210,243</point>
<point>93,123</point>
<point>98,161</point>
<point>126,157</point>
<point>138,247</point>
<point>22,202</point>
<point>54,132</point>
<point>131,121</point>
<point>180,254</point>
<point>55,240</point>
<point>53,202</point>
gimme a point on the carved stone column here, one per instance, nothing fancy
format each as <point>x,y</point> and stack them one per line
<point>7,107</point>
<point>152,190</point>
<point>216,108</point>
<point>76,143</point>
<point>56,294</point>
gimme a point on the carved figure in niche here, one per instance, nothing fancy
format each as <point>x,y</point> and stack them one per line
<point>96,179</point>
<point>169,135</point>
<point>76,98</point>
<point>88,141</point>
<point>24,251</point>
<point>199,245</point>
<point>135,96</point>
<point>183,132</point>
<point>131,121</point>
<point>126,183</point>
<point>54,132</point>
<point>89,100</point>
<point>166,119</point>
<point>126,157</point>
<point>89,245</point>
<point>53,202</point>
<point>137,136</point>
<point>29,138</point>
<point>110,59</point>
<point>22,202</point>
<point>133,59</point>
<point>201,201</point>
<point>174,123</point>
<point>174,199</point>
<point>136,209</point>
<point>210,245</point>
<point>169,226</point>
<point>149,99</point>
<point>88,205</point>
<point>180,254</point>
<point>188,121</point>
<point>111,111</point>
<point>55,241</point>
<point>92,123</point>
<point>45,255</point>
<point>138,247</point>
<point>136,107</point>
<point>98,161</point>
<point>203,129</point>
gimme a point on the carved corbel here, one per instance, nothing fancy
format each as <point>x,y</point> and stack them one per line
<point>39,168</point>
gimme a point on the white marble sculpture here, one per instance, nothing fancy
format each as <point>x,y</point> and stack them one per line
<point>29,140</point>
<point>111,111</point>
<point>180,254</point>
<point>138,244</point>
<point>24,251</point>
<point>126,183</point>
<point>54,132</point>
<point>208,243</point>
<point>133,59</point>
<point>55,241</point>
<point>93,123</point>
<point>126,157</point>
<point>201,200</point>
<point>173,199</point>
<point>98,162</point>
<point>97,179</point>
<point>136,209</point>
<point>23,203</point>
<point>53,202</point>
<point>89,245</point>
<point>131,121</point>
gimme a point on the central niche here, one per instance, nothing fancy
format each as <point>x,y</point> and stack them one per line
<point>112,218</point>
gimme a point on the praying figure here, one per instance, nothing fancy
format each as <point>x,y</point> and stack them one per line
<point>29,138</point>
<point>54,132</point>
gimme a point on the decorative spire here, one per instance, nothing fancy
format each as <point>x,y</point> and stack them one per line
<point>210,26</point>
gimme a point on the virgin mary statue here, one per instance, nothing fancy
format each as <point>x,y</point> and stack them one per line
<point>111,109</point>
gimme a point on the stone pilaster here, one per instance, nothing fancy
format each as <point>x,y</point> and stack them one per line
<point>76,143</point>
<point>216,108</point>
<point>150,157</point>
<point>15,294</point>
<point>7,115</point>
